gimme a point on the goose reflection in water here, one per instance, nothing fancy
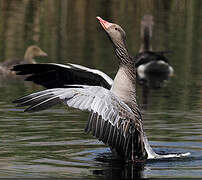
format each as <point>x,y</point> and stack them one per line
<point>121,171</point>
<point>111,167</point>
<point>152,81</point>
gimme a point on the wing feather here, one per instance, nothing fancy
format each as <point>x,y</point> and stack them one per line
<point>52,75</point>
<point>110,119</point>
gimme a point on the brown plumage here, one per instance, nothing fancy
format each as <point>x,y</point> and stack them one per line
<point>30,53</point>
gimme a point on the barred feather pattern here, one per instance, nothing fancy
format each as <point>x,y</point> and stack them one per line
<point>111,120</point>
<point>122,54</point>
<point>126,140</point>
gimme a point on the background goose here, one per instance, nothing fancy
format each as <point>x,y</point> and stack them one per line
<point>30,53</point>
<point>115,118</point>
<point>147,61</point>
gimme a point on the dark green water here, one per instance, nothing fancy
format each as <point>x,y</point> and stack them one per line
<point>52,143</point>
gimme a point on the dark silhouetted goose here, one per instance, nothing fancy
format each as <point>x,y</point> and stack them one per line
<point>114,115</point>
<point>30,53</point>
<point>147,61</point>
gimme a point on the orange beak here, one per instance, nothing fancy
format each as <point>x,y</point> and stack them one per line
<point>42,53</point>
<point>104,23</point>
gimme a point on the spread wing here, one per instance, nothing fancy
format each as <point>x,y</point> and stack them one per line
<point>111,120</point>
<point>51,75</point>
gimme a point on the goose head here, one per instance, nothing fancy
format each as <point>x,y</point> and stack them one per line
<point>118,38</point>
<point>32,52</point>
<point>116,34</point>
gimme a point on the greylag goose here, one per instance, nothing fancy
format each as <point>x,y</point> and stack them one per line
<point>147,61</point>
<point>30,53</point>
<point>114,115</point>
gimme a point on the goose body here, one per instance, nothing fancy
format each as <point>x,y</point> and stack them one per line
<point>114,115</point>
